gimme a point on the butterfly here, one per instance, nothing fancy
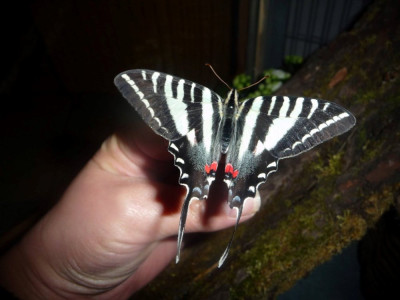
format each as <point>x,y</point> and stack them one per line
<point>251,135</point>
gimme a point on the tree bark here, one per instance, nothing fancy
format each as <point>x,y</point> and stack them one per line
<point>319,202</point>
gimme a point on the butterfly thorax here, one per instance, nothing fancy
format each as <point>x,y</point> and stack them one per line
<point>227,125</point>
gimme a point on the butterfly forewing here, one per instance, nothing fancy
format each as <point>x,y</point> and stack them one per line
<point>297,124</point>
<point>171,106</point>
<point>255,134</point>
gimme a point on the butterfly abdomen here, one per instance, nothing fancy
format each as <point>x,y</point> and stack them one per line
<point>226,134</point>
<point>227,121</point>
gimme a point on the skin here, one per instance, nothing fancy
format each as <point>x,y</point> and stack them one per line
<point>115,227</point>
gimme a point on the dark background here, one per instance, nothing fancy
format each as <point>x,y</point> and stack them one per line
<point>58,100</point>
<point>59,58</point>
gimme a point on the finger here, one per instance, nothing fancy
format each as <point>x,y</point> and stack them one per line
<point>135,153</point>
<point>210,215</point>
<point>199,220</point>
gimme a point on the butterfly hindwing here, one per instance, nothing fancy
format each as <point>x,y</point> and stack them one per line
<point>190,159</point>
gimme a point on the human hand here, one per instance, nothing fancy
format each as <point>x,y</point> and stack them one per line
<point>115,227</point>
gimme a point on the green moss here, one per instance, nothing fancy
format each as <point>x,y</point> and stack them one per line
<point>352,226</point>
<point>368,41</point>
<point>395,100</point>
<point>371,149</point>
<point>332,168</point>
<point>367,96</point>
<point>378,202</point>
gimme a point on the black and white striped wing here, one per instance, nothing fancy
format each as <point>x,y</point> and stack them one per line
<point>298,124</point>
<point>183,112</point>
<point>269,129</point>
<point>272,128</point>
<point>170,105</point>
<point>188,115</point>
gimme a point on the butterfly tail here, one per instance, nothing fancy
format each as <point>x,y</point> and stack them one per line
<point>182,223</point>
<point>226,252</point>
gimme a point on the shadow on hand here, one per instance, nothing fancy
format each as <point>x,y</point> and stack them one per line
<point>158,166</point>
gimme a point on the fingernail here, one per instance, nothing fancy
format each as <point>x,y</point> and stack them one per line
<point>197,206</point>
<point>251,206</point>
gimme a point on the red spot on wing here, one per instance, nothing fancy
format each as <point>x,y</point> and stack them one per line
<point>230,170</point>
<point>235,174</point>
<point>212,167</point>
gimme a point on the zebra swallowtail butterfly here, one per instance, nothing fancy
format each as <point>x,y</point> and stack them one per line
<point>253,135</point>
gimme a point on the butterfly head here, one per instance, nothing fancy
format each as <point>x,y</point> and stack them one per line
<point>232,100</point>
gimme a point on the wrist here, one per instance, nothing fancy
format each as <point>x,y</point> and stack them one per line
<point>21,278</point>
<point>31,270</point>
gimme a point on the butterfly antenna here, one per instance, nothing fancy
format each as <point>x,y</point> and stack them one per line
<point>253,84</point>
<point>215,73</point>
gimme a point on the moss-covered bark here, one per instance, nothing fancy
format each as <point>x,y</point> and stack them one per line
<point>321,201</point>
